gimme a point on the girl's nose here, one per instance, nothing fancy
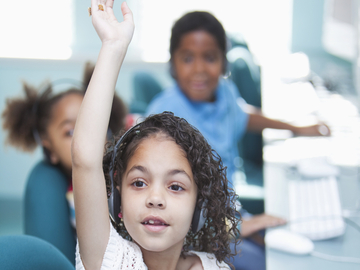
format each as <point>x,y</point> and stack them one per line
<point>156,199</point>
<point>199,65</point>
<point>156,204</point>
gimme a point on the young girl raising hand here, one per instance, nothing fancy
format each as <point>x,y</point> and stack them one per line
<point>166,188</point>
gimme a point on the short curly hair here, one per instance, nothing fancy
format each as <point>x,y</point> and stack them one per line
<point>209,175</point>
<point>197,21</point>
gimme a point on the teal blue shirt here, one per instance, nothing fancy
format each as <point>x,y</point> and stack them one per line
<point>222,122</point>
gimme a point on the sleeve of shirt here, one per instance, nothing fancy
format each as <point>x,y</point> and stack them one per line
<point>160,103</point>
<point>154,107</point>
<point>119,254</point>
<point>170,100</point>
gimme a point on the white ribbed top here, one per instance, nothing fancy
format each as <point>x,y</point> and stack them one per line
<point>123,254</point>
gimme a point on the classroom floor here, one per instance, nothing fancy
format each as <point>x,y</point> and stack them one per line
<point>11,216</point>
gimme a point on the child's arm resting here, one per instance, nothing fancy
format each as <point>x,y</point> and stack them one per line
<point>257,122</point>
<point>92,218</point>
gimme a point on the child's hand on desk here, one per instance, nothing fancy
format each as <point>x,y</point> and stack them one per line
<point>107,26</point>
<point>314,130</point>
<point>259,222</point>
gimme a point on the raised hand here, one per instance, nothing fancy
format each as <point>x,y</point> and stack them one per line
<point>108,28</point>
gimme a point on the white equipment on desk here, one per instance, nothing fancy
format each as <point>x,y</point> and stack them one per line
<point>315,209</point>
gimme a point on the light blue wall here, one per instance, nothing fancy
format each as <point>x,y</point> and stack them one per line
<point>307,25</point>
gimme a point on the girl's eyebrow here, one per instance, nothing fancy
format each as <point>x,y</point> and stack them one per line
<point>170,172</point>
<point>185,51</point>
<point>139,168</point>
<point>178,171</point>
<point>66,121</point>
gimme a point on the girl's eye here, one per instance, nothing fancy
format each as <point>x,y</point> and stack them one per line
<point>187,59</point>
<point>210,58</point>
<point>69,133</point>
<point>138,183</point>
<point>176,187</point>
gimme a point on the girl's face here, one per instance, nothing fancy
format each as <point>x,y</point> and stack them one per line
<point>60,130</point>
<point>198,63</point>
<point>158,195</point>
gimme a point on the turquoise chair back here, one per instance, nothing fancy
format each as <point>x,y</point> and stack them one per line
<point>19,252</point>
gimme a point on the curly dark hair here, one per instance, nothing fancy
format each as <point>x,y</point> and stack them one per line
<point>209,175</point>
<point>195,21</point>
<point>23,115</point>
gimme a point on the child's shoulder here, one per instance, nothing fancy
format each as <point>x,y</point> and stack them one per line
<point>171,99</point>
<point>206,261</point>
<point>167,94</point>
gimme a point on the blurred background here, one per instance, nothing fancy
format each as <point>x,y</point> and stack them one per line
<point>50,40</point>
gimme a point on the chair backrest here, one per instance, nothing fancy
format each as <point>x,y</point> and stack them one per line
<point>47,214</point>
<point>29,252</point>
<point>145,87</point>
<point>245,73</point>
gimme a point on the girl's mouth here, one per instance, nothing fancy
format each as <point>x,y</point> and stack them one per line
<point>198,85</point>
<point>154,222</point>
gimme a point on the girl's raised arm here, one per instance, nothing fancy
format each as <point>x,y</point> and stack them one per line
<point>92,218</point>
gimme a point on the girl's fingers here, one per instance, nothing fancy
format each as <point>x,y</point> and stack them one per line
<point>110,3</point>
<point>127,14</point>
<point>109,9</point>
<point>110,12</point>
<point>94,4</point>
<point>99,5</point>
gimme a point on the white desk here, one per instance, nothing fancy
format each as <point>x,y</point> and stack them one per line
<point>342,149</point>
<point>347,245</point>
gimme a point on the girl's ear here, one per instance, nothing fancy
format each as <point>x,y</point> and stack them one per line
<point>50,155</point>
